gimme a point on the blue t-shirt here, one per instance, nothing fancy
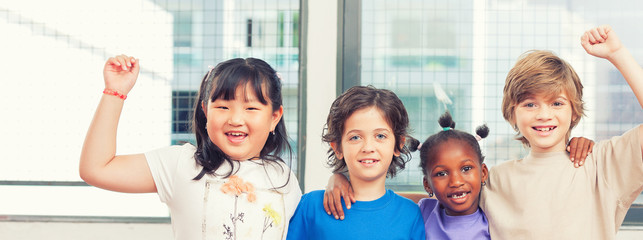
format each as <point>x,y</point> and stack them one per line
<point>439,225</point>
<point>389,217</point>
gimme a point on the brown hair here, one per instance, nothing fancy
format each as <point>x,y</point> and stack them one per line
<point>360,97</point>
<point>541,72</point>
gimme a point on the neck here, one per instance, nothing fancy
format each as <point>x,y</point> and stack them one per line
<point>365,190</point>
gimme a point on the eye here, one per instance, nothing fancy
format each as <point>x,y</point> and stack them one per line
<point>441,174</point>
<point>380,136</point>
<point>466,168</point>
<point>529,105</point>
<point>221,107</point>
<point>558,104</point>
<point>252,108</point>
<point>353,138</point>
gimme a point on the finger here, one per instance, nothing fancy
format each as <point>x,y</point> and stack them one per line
<point>129,61</point>
<point>331,205</point>
<point>586,149</point>
<point>572,148</point>
<point>607,29</point>
<point>339,211</point>
<point>113,61</point>
<point>578,152</point>
<point>584,40</point>
<point>347,200</point>
<point>591,146</point>
<point>596,35</point>
<point>592,40</point>
<point>326,203</point>
<point>351,194</point>
<point>135,66</point>
<point>122,61</point>
<point>602,32</point>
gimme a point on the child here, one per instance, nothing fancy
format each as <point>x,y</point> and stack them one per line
<point>366,129</point>
<point>451,161</point>
<point>232,184</point>
<point>542,196</point>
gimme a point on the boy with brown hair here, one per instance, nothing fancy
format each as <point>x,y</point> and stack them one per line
<point>542,196</point>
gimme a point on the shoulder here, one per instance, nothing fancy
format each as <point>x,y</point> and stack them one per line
<point>631,138</point>
<point>403,202</point>
<point>506,168</point>
<point>313,196</point>
<point>428,203</point>
<point>175,151</point>
<point>312,199</point>
<point>172,157</point>
<point>624,147</point>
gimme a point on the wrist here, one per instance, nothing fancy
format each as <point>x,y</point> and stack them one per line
<point>114,93</point>
<point>618,55</point>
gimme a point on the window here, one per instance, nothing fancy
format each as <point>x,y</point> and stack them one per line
<point>60,78</point>
<point>455,55</point>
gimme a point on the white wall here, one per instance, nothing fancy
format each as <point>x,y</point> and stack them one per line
<point>52,81</point>
<point>321,85</point>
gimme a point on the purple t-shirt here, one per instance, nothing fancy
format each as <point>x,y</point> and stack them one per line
<point>439,225</point>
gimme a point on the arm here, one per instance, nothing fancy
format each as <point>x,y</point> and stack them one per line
<point>603,42</point>
<point>338,187</point>
<point>99,166</point>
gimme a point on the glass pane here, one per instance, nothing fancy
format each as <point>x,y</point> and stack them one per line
<point>455,55</point>
<point>53,62</point>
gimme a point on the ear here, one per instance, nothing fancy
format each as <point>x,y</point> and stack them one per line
<point>276,116</point>
<point>427,186</point>
<point>574,117</point>
<point>397,152</point>
<point>338,152</point>
<point>485,172</point>
<point>203,108</point>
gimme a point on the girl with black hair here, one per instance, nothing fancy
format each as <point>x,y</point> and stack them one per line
<point>453,168</point>
<point>233,183</point>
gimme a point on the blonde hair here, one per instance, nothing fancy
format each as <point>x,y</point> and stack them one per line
<point>541,72</point>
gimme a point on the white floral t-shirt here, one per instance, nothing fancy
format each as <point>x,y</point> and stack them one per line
<point>255,202</point>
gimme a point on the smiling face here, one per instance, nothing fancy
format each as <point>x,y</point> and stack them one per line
<point>240,126</point>
<point>544,121</point>
<point>367,145</point>
<point>455,176</point>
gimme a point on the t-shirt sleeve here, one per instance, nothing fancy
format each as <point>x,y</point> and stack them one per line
<point>297,227</point>
<point>164,165</point>
<point>426,206</point>
<point>619,164</point>
<point>417,230</point>
<point>292,197</point>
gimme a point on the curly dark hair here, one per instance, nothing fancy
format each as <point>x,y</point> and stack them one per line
<point>360,97</point>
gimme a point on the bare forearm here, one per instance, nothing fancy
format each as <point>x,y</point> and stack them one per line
<point>631,71</point>
<point>100,143</point>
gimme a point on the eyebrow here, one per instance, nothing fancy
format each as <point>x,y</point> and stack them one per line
<point>376,130</point>
<point>463,161</point>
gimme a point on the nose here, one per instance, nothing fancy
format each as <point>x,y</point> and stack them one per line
<point>544,112</point>
<point>456,180</point>
<point>368,145</point>
<point>236,118</point>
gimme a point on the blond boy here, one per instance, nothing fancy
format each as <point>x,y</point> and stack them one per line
<point>542,196</point>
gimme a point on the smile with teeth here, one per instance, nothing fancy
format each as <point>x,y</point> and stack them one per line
<point>544,129</point>
<point>459,195</point>
<point>368,161</point>
<point>236,134</point>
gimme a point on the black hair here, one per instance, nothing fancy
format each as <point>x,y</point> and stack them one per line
<point>222,82</point>
<point>360,97</point>
<point>429,147</point>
